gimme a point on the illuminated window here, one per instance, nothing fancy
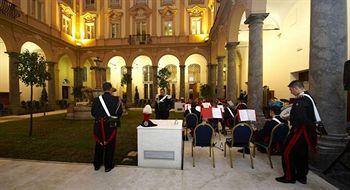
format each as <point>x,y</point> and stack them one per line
<point>167,2</point>
<point>89,4</point>
<point>66,25</point>
<point>196,25</point>
<point>194,73</point>
<point>141,27</point>
<point>115,30</point>
<point>196,1</point>
<point>141,2</point>
<point>168,28</point>
<point>90,30</point>
<point>38,9</point>
<point>114,3</point>
<point>147,74</point>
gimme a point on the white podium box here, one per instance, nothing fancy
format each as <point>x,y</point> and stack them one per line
<point>160,146</point>
<point>179,107</point>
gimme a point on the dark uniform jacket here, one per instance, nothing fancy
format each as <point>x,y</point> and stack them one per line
<point>265,132</point>
<point>302,115</point>
<point>114,106</point>
<point>162,108</point>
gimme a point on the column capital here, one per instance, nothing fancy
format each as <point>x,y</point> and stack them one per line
<point>230,45</point>
<point>220,58</point>
<point>256,18</point>
<point>12,53</point>
<point>182,66</point>
<point>128,67</point>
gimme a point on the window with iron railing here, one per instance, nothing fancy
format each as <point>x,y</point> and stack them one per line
<point>115,30</point>
<point>196,25</point>
<point>141,1</point>
<point>66,25</point>
<point>195,1</point>
<point>168,28</point>
<point>37,9</point>
<point>90,30</point>
<point>115,3</point>
<point>90,4</point>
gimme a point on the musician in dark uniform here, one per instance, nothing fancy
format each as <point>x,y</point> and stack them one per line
<point>193,110</point>
<point>105,127</point>
<point>303,117</point>
<point>163,105</point>
<point>229,117</point>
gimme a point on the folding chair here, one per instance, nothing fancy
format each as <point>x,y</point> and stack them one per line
<point>203,137</point>
<point>278,136</point>
<point>241,136</point>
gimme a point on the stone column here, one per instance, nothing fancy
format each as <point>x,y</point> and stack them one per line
<point>328,52</point>
<point>182,81</point>
<point>103,75</point>
<point>231,72</point>
<point>78,76</point>
<point>129,85</point>
<point>220,86</point>
<point>209,67</point>
<point>97,77</point>
<point>52,84</point>
<point>14,94</point>
<point>255,64</point>
<point>155,80</point>
<point>213,80</point>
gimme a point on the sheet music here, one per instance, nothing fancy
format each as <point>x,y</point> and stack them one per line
<point>230,103</point>
<point>217,113</point>
<point>221,108</point>
<point>206,105</point>
<point>198,108</point>
<point>247,115</point>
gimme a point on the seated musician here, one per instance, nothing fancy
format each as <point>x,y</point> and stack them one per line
<point>263,135</point>
<point>193,110</point>
<point>229,117</point>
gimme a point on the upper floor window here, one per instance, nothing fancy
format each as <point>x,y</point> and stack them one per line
<point>196,25</point>
<point>196,2</point>
<point>168,28</point>
<point>141,27</point>
<point>90,32</point>
<point>167,2</point>
<point>141,1</point>
<point>115,30</point>
<point>37,9</point>
<point>66,25</point>
<point>89,4</point>
<point>115,3</point>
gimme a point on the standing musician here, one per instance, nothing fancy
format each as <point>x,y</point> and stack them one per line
<point>107,110</point>
<point>303,118</point>
<point>163,105</point>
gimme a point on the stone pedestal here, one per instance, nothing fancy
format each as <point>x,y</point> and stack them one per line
<point>231,90</point>
<point>328,52</point>
<point>255,64</point>
<point>220,87</point>
<point>52,84</point>
<point>14,95</point>
<point>182,81</point>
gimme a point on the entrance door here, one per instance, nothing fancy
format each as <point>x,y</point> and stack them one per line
<point>65,92</point>
<point>193,91</point>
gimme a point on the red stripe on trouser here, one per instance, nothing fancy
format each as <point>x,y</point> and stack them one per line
<point>287,152</point>
<point>114,133</point>
<point>103,129</point>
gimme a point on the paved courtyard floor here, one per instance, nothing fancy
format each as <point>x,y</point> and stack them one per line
<point>35,175</point>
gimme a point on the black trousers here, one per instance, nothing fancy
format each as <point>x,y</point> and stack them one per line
<point>295,160</point>
<point>104,154</point>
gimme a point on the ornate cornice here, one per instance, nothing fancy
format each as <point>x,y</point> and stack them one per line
<point>115,15</point>
<point>89,17</point>
<point>167,11</point>
<point>196,11</point>
<point>140,11</point>
<point>66,10</point>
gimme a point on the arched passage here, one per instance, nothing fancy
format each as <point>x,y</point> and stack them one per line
<point>25,90</point>
<point>4,74</point>
<point>115,70</point>
<point>195,75</point>
<point>142,77</point>
<point>65,78</point>
<point>172,63</point>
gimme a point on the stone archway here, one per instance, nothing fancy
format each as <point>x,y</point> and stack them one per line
<point>173,64</point>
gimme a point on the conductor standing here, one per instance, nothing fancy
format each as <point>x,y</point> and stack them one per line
<point>162,106</point>
<point>107,110</point>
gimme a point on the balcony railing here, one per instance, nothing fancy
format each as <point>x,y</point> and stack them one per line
<point>9,9</point>
<point>140,39</point>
